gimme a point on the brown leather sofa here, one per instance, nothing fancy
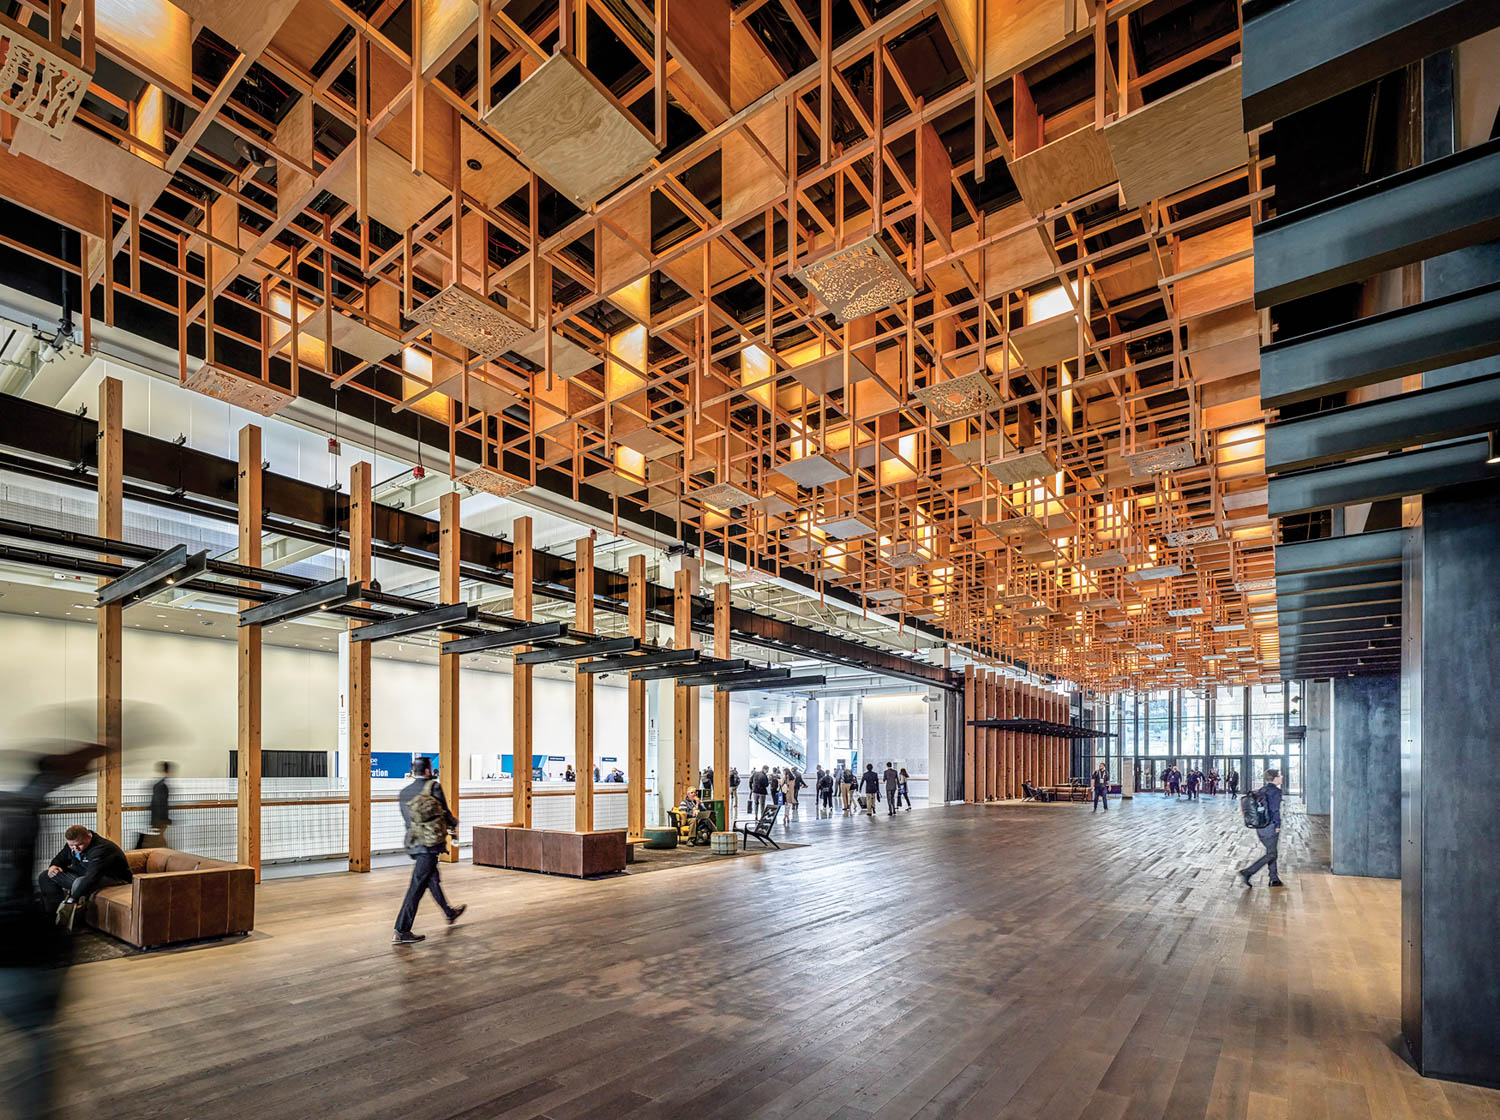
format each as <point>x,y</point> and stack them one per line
<point>175,896</point>
<point>579,854</point>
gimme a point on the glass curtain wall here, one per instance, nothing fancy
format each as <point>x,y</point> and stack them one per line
<point>1229,727</point>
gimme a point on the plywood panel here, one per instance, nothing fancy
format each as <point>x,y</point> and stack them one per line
<point>751,181</point>
<point>1063,170</point>
<point>96,160</point>
<point>446,27</point>
<point>249,26</point>
<point>752,74</point>
<point>305,36</point>
<point>1219,287</point>
<point>1017,33</point>
<point>572,131</point>
<point>935,184</point>
<point>1049,341</point>
<point>398,199</point>
<point>156,36</point>
<point>61,197</point>
<point>496,178</point>
<point>698,38</point>
<point>1186,137</point>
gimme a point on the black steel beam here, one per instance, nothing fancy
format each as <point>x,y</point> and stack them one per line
<point>687,669</point>
<point>1300,52</point>
<point>1429,335</point>
<point>1289,587</point>
<point>1373,609</point>
<point>438,618</point>
<point>1433,208</point>
<point>284,608</point>
<point>1388,593</point>
<point>526,635</point>
<point>1388,424</point>
<point>808,681</point>
<point>736,676</point>
<point>1354,550</point>
<point>152,577</point>
<point>1388,476</point>
<point>62,447</point>
<point>645,660</point>
<point>601,648</point>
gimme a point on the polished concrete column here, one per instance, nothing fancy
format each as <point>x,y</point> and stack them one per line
<point>1450,882</point>
<point>1317,748</point>
<point>1365,826</point>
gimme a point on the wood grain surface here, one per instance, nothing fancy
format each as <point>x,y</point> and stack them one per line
<point>971,961</point>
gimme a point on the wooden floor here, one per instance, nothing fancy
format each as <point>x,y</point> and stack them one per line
<point>1017,961</point>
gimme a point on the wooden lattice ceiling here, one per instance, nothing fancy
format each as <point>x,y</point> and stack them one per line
<point>738,265</point>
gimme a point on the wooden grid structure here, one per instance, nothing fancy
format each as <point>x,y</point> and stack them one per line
<point>964,334</point>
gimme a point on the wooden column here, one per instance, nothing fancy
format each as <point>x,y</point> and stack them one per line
<point>247,811</point>
<point>982,740</point>
<point>721,700</point>
<point>635,755</point>
<point>109,818</point>
<point>1008,707</point>
<point>521,574</point>
<point>1033,770</point>
<point>684,700</point>
<point>992,737</point>
<point>971,733</point>
<point>450,761</point>
<point>583,691</point>
<point>361,516</point>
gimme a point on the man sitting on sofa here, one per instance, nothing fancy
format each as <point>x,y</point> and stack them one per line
<point>87,863</point>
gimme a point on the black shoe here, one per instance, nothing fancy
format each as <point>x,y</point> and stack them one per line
<point>408,938</point>
<point>458,912</point>
<point>1246,879</point>
<point>1277,883</point>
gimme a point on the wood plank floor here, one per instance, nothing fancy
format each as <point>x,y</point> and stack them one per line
<point>1013,961</point>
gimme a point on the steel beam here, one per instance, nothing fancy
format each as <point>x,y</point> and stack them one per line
<point>152,577</point>
<point>1369,579</point>
<point>1433,208</point>
<point>438,618</point>
<point>284,608</point>
<point>1371,480</point>
<point>503,639</point>
<point>734,676</point>
<point>687,669</point>
<point>1300,52</point>
<point>601,648</point>
<point>642,661</point>
<point>1355,550</point>
<point>1389,424</point>
<point>809,681</point>
<point>1430,335</point>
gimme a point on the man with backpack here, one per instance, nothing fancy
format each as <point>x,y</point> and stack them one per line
<point>1263,813</point>
<point>428,823</point>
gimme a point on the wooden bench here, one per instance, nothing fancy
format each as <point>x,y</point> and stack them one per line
<point>579,855</point>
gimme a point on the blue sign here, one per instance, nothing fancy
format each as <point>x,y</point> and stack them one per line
<point>606,759</point>
<point>389,765</point>
<point>557,758</point>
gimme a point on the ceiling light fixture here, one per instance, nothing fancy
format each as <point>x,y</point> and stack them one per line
<point>1493,458</point>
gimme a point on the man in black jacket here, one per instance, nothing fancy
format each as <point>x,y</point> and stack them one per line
<point>86,863</point>
<point>760,783</point>
<point>1270,835</point>
<point>869,783</point>
<point>1100,779</point>
<point>161,815</point>
<point>424,871</point>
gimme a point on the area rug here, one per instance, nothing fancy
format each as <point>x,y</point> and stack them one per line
<point>684,856</point>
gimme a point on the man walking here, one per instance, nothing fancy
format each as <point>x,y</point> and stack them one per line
<point>428,823</point>
<point>1234,782</point>
<point>1101,788</point>
<point>161,799</point>
<point>870,784</point>
<point>760,782</point>
<point>1269,833</point>
<point>892,787</point>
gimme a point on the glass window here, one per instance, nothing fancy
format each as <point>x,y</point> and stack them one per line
<point>1229,721</point>
<point>1194,734</point>
<point>1267,727</point>
<point>1159,732</point>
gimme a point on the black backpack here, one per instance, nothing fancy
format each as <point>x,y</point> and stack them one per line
<point>1256,809</point>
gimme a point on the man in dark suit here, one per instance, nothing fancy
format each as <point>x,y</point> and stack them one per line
<point>1100,778</point>
<point>87,863</point>
<point>1270,834</point>
<point>424,851</point>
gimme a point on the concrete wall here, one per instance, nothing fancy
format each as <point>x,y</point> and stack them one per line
<point>1365,824</point>
<point>894,729</point>
<point>1317,748</point>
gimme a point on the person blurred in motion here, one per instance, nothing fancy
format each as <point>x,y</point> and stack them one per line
<point>31,949</point>
<point>428,825</point>
<point>161,816</point>
<point>87,862</point>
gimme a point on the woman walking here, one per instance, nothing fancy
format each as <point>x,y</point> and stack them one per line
<point>903,792</point>
<point>789,792</point>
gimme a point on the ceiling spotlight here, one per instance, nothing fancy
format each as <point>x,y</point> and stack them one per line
<point>1493,458</point>
<point>1390,621</point>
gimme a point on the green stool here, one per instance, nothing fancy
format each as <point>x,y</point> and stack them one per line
<point>660,839</point>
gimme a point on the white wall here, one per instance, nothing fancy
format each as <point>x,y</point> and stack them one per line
<point>895,730</point>
<point>47,662</point>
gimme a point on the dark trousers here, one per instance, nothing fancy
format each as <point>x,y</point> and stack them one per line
<point>1100,798</point>
<point>54,890</point>
<point>890,799</point>
<point>902,795</point>
<point>1270,838</point>
<point>757,804</point>
<point>424,877</point>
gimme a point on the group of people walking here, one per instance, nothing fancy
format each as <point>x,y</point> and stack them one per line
<point>839,786</point>
<point>1195,781</point>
